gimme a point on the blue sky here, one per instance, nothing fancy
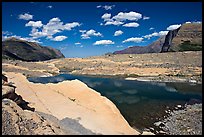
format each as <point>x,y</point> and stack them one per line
<point>81,29</point>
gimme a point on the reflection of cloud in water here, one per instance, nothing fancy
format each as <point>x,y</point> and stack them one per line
<point>128,99</point>
<point>158,84</point>
<point>58,79</point>
<point>118,84</point>
<point>130,91</point>
<point>170,89</point>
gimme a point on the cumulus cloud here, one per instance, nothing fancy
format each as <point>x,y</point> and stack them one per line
<point>54,26</point>
<point>25,16</point>
<point>146,18</point>
<point>132,24</point>
<point>128,16</point>
<point>59,38</point>
<point>161,33</point>
<point>36,24</point>
<point>117,23</point>
<point>121,17</point>
<point>104,42</point>
<point>86,34</point>
<point>172,27</point>
<point>118,32</point>
<point>106,16</point>
<point>133,39</point>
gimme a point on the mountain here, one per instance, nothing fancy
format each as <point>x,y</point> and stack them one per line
<point>188,37</point>
<point>13,48</point>
<point>154,47</point>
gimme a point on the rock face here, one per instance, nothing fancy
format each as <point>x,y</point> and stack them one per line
<point>16,121</point>
<point>28,51</point>
<point>154,47</point>
<point>186,38</point>
<point>168,40</point>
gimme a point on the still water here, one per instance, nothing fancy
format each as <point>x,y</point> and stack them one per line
<point>141,103</point>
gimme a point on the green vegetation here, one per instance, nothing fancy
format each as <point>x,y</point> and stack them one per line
<point>188,46</point>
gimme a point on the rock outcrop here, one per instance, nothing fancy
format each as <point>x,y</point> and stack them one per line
<point>13,48</point>
<point>75,100</point>
<point>19,119</point>
<point>16,121</point>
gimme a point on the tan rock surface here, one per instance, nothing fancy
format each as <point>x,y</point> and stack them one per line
<point>75,100</point>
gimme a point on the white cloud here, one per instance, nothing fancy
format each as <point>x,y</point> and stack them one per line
<point>36,24</point>
<point>59,38</point>
<point>6,33</point>
<point>132,24</point>
<point>113,23</point>
<point>86,34</point>
<point>151,28</point>
<point>106,16</point>
<point>161,33</point>
<point>117,33</point>
<point>25,16</point>
<point>187,22</point>
<point>146,18</point>
<point>69,26</point>
<point>106,7</point>
<point>29,39</point>
<point>172,27</point>
<point>77,43</point>
<point>104,42</point>
<point>128,16</point>
<point>54,26</point>
<point>121,17</point>
<point>49,6</point>
<point>135,39</point>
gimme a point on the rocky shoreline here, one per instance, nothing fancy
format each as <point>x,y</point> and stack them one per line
<point>186,121</point>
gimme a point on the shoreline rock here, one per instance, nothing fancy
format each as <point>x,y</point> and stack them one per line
<point>96,112</point>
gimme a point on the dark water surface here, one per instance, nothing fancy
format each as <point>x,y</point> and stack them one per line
<point>141,103</point>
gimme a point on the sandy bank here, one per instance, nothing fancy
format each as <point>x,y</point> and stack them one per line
<point>75,100</point>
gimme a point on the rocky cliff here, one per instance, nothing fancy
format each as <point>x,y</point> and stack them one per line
<point>186,38</point>
<point>13,48</point>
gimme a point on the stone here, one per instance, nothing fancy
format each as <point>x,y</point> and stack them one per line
<point>147,133</point>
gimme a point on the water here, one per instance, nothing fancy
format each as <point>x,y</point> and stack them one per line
<point>141,103</point>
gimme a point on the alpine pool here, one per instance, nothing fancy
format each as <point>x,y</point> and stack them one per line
<point>141,103</point>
